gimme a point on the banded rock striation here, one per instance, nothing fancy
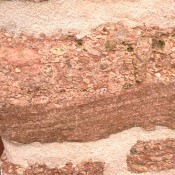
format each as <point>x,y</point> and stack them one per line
<point>75,89</point>
<point>61,88</point>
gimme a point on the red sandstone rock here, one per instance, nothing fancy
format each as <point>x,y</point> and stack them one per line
<point>58,89</point>
<point>84,168</point>
<point>152,156</point>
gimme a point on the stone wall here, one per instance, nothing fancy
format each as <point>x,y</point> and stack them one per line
<point>79,90</point>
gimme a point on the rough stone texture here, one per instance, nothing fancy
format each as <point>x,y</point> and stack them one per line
<point>84,168</point>
<point>91,126</point>
<point>55,15</point>
<point>69,88</point>
<point>65,89</point>
<point>152,156</point>
<point>113,151</point>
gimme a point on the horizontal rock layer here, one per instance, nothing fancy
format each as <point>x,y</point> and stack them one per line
<point>66,89</point>
<point>150,106</point>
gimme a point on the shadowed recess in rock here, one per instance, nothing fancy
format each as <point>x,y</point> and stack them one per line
<point>1,147</point>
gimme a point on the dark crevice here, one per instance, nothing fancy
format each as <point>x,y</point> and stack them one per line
<point>1,146</point>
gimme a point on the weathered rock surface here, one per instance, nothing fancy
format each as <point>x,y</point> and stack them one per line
<point>112,151</point>
<point>55,15</point>
<point>65,89</point>
<point>152,156</point>
<point>84,168</point>
<point>151,105</point>
<point>64,98</point>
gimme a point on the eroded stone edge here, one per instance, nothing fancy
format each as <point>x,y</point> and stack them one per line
<point>113,150</point>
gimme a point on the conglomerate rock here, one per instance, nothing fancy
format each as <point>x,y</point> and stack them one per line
<point>61,88</point>
<point>152,156</point>
<point>84,168</point>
